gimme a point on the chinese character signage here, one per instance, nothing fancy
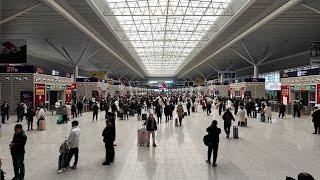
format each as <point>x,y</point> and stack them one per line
<point>285,94</point>
<point>40,94</point>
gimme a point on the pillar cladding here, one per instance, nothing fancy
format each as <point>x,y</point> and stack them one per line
<point>75,72</point>
<point>255,71</point>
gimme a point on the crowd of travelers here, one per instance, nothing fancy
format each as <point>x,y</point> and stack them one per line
<point>149,108</point>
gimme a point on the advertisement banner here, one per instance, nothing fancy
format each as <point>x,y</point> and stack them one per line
<point>39,94</point>
<point>318,93</point>
<point>285,94</point>
<point>27,98</point>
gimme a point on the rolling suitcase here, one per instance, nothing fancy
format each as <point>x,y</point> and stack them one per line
<point>62,160</point>
<point>254,114</point>
<point>193,109</point>
<point>42,125</point>
<point>263,118</point>
<point>142,136</point>
<point>235,132</point>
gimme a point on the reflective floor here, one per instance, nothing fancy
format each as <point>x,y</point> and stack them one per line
<point>263,151</point>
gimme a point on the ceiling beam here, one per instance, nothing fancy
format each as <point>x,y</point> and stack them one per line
<point>278,59</point>
<point>236,52</point>
<point>247,50</point>
<point>85,30</point>
<point>253,28</point>
<point>213,67</point>
<point>83,51</point>
<point>89,56</point>
<point>310,8</point>
<point>20,13</point>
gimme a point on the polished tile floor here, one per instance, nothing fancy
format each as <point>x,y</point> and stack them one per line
<point>263,151</point>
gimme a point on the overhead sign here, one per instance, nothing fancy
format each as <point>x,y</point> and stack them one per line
<point>300,73</point>
<point>17,69</point>
<point>254,80</point>
<point>272,86</point>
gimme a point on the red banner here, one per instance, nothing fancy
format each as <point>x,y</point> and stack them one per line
<point>285,94</point>
<point>318,93</point>
<point>39,94</point>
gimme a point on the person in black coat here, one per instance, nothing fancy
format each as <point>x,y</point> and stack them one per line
<point>29,117</point>
<point>158,112</point>
<point>167,112</point>
<point>95,110</point>
<point>227,118</point>
<point>188,106</point>
<point>109,136</point>
<point>282,110</point>
<point>74,110</point>
<point>220,107</point>
<point>17,152</point>
<point>316,120</point>
<point>151,127</point>
<point>295,109</point>
<point>4,112</point>
<point>213,132</point>
<point>171,110</point>
<point>236,107</point>
<point>79,107</point>
<point>20,112</point>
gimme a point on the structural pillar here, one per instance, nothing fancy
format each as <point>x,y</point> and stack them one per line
<point>255,71</point>
<point>75,73</point>
<point>221,77</point>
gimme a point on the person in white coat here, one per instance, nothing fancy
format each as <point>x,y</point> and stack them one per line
<point>242,116</point>
<point>268,113</point>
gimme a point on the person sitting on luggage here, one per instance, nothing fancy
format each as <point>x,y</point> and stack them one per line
<point>109,136</point>
<point>73,142</point>
<point>242,116</point>
<point>213,132</point>
<point>63,150</point>
<point>227,118</point>
<point>40,115</point>
<point>151,127</point>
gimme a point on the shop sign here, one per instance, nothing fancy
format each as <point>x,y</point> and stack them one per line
<point>39,70</point>
<point>318,93</point>
<point>303,87</point>
<point>285,94</point>
<point>40,94</point>
<point>55,87</point>
<point>88,79</point>
<point>300,73</point>
<point>254,80</point>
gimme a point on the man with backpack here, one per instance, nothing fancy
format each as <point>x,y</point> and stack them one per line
<point>213,142</point>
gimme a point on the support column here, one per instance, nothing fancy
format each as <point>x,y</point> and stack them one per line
<point>255,71</point>
<point>75,73</point>
<point>221,77</point>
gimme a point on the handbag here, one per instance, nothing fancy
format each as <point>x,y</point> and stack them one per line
<point>206,140</point>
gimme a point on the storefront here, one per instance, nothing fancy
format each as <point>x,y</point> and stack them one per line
<point>273,90</point>
<point>250,88</point>
<point>218,90</point>
<point>25,84</point>
<point>301,86</point>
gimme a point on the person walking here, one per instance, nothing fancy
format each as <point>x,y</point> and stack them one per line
<point>158,111</point>
<point>316,120</point>
<point>242,116</point>
<point>282,110</point>
<point>74,110</point>
<point>64,113</point>
<point>213,146</point>
<point>180,113</point>
<point>188,106</point>
<point>167,112</point>
<point>109,136</point>
<point>295,109</point>
<point>5,110</point>
<point>20,112</point>
<point>29,117</point>
<point>220,107</point>
<point>268,113</point>
<point>95,110</point>
<point>17,148</point>
<point>151,127</point>
<point>79,107</point>
<point>209,106</point>
<point>227,118</point>
<point>73,142</point>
